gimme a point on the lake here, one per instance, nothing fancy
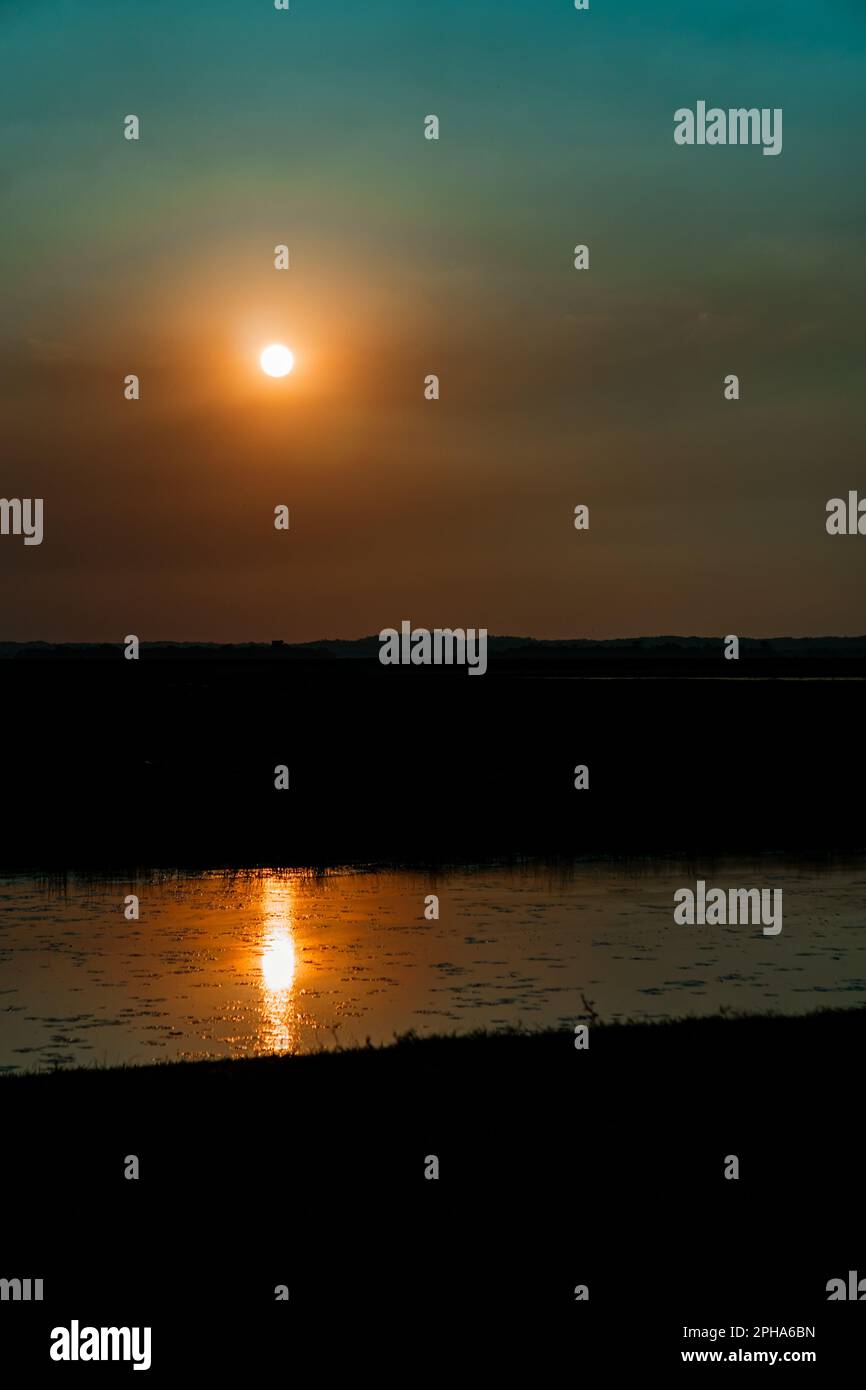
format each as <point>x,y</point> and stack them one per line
<point>239,964</point>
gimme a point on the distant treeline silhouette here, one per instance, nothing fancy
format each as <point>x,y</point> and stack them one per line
<point>502,650</point>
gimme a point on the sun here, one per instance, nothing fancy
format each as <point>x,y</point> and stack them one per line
<point>276,360</point>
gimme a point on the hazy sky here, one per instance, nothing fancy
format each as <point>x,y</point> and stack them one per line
<point>410,257</point>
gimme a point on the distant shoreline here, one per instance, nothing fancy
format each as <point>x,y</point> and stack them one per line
<point>517,649</point>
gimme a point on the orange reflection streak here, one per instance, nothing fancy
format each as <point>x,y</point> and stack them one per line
<point>277,963</point>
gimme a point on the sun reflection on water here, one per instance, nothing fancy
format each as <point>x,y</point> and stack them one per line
<point>277,965</point>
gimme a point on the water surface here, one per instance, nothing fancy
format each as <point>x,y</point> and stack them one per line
<point>224,964</point>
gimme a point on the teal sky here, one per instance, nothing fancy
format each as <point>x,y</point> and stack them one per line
<point>410,257</point>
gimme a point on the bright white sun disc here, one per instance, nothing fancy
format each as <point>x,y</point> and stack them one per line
<point>276,360</point>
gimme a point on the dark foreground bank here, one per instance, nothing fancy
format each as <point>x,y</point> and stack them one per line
<point>674,1046</point>
<point>669,1086</point>
<point>558,1170</point>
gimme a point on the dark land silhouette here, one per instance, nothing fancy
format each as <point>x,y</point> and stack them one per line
<point>553,1162</point>
<point>170,760</point>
